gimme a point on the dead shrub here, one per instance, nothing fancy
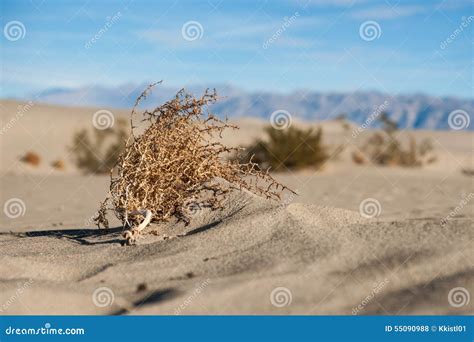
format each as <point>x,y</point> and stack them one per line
<point>290,148</point>
<point>98,152</point>
<point>385,148</point>
<point>175,161</point>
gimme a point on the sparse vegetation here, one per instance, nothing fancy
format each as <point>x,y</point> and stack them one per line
<point>58,164</point>
<point>98,151</point>
<point>385,148</point>
<point>31,158</point>
<point>291,148</point>
<point>174,164</point>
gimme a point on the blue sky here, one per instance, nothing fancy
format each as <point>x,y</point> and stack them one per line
<point>256,45</point>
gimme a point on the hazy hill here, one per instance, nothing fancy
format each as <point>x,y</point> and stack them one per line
<point>413,111</point>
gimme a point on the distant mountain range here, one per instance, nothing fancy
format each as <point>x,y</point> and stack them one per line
<point>415,111</point>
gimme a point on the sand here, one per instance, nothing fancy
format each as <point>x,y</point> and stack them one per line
<point>314,253</point>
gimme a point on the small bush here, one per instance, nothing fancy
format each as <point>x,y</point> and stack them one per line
<point>58,164</point>
<point>384,148</point>
<point>291,148</point>
<point>98,152</point>
<point>31,158</point>
<point>468,172</point>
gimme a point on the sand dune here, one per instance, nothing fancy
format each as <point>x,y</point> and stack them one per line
<point>229,262</point>
<point>313,254</point>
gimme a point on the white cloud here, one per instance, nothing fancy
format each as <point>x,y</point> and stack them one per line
<point>329,3</point>
<point>387,12</point>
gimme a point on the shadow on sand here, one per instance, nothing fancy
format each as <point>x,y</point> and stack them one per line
<point>80,236</point>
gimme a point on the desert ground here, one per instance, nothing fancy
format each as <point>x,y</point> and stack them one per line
<point>314,253</point>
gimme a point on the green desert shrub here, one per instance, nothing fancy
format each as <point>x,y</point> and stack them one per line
<point>290,148</point>
<point>99,150</point>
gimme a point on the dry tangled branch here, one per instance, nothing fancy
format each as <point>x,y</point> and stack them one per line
<point>177,161</point>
